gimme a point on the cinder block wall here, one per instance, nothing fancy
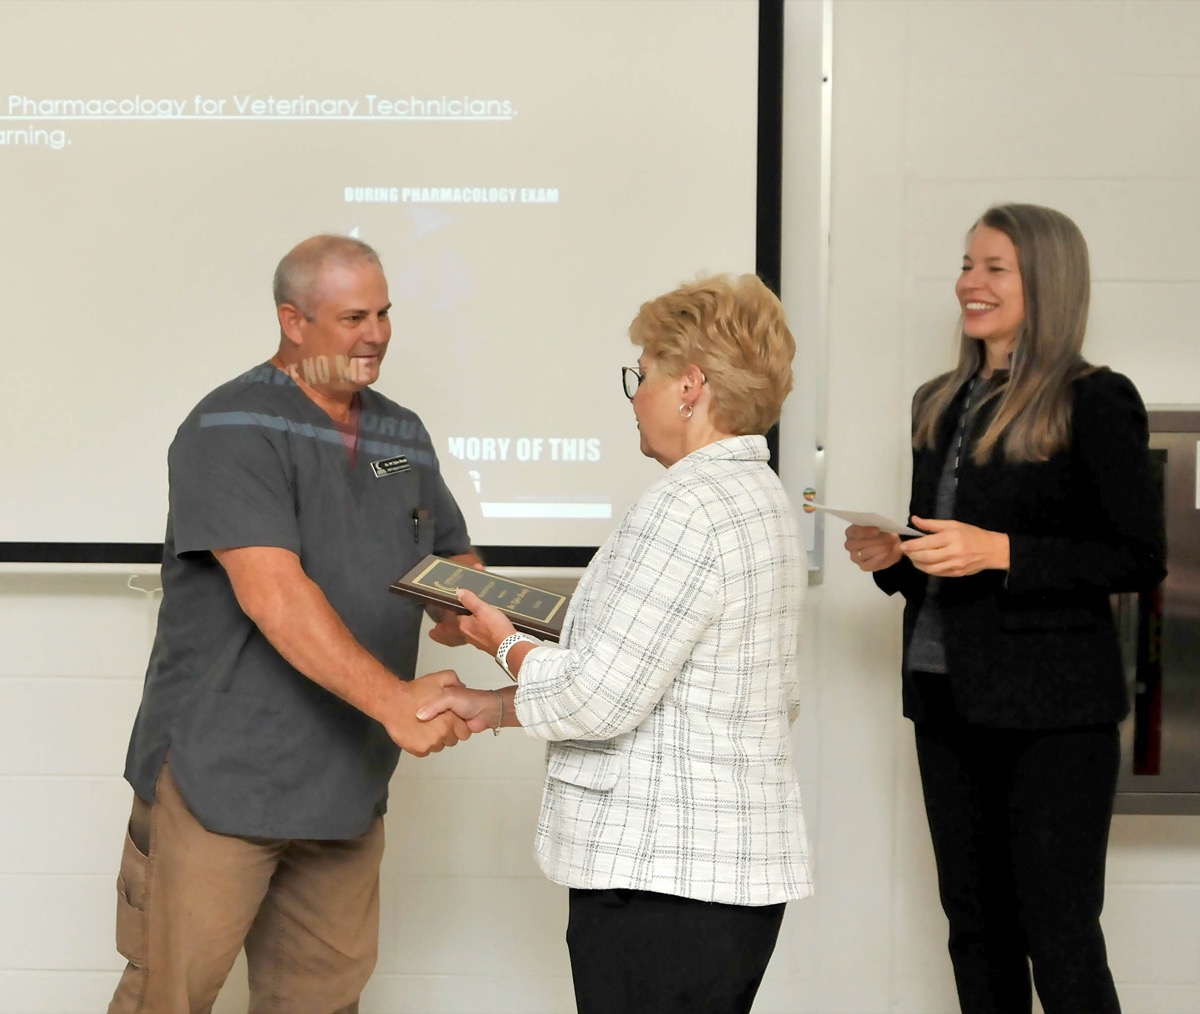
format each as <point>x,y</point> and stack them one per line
<point>939,108</point>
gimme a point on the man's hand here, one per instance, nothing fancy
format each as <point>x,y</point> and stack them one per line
<point>423,738</point>
<point>445,629</point>
<point>954,549</point>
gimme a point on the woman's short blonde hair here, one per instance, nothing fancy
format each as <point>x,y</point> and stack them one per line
<point>735,331</point>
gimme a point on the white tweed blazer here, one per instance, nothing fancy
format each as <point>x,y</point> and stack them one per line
<point>669,700</point>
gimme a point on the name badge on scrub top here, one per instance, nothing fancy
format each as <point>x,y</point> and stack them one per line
<point>390,466</point>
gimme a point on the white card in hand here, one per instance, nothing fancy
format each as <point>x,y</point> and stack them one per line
<point>884,524</point>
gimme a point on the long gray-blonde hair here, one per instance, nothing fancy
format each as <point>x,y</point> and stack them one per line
<point>1033,418</point>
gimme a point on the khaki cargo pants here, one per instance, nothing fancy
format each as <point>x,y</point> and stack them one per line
<point>188,900</point>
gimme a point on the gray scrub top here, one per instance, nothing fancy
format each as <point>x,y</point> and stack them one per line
<point>257,749</point>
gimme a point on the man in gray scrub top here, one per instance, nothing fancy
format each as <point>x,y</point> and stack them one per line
<point>276,699</point>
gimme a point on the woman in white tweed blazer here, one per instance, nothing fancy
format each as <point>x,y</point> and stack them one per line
<point>671,806</point>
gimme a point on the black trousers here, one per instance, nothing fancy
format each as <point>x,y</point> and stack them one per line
<point>638,952</point>
<point>1019,822</point>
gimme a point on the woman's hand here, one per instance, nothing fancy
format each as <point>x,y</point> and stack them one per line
<point>954,549</point>
<point>480,709</point>
<point>446,629</point>
<point>871,548</point>
<point>486,626</point>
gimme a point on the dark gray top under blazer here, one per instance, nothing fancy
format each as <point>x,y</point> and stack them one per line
<point>1036,648</point>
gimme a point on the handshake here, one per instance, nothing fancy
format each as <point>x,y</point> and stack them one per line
<point>437,710</point>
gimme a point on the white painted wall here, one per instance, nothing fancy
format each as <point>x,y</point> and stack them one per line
<point>939,108</point>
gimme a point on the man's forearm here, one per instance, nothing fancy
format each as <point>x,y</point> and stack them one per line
<point>294,615</point>
<point>304,628</point>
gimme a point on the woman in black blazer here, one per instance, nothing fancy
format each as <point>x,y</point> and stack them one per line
<point>1031,472</point>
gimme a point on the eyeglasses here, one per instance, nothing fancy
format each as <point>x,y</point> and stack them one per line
<point>631,380</point>
<point>632,377</point>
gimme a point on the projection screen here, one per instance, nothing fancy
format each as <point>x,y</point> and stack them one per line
<point>529,172</point>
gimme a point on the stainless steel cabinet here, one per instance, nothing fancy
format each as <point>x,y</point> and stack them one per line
<point>1160,635</point>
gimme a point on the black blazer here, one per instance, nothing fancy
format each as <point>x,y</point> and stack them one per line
<point>1036,648</point>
